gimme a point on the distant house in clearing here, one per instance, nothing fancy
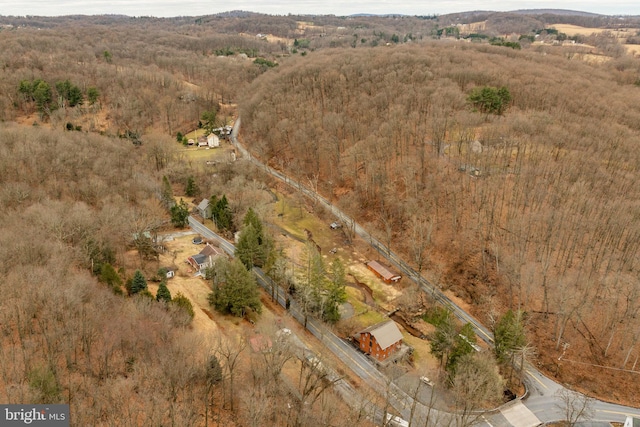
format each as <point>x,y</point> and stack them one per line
<point>204,208</point>
<point>380,340</point>
<point>205,258</point>
<point>632,422</point>
<point>383,273</point>
<point>202,142</point>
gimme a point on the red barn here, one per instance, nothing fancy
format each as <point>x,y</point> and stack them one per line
<point>383,272</point>
<point>380,340</point>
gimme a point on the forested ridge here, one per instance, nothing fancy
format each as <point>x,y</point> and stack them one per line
<point>535,208</point>
<point>73,202</point>
<point>89,113</point>
<point>69,207</point>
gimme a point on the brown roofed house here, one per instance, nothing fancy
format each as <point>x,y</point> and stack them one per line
<point>205,258</point>
<point>211,251</point>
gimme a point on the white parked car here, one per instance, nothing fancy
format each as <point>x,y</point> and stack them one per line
<point>394,421</point>
<point>426,380</point>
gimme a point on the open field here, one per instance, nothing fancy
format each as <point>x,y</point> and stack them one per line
<point>575,30</point>
<point>634,49</point>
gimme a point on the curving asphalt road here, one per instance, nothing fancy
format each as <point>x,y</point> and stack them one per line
<point>342,349</point>
<point>541,400</point>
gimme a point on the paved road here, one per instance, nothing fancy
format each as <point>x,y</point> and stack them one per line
<point>398,398</point>
<point>542,400</point>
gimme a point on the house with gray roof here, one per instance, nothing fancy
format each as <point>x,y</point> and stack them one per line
<point>380,340</point>
<point>204,209</point>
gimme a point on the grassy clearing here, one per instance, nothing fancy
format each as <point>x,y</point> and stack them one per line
<point>573,30</point>
<point>199,153</point>
<point>199,156</point>
<point>354,297</point>
<point>293,217</point>
<point>195,134</point>
<point>633,48</point>
<point>367,317</point>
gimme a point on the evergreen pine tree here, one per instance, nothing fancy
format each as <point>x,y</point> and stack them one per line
<point>191,189</point>
<point>509,334</point>
<point>221,213</point>
<point>335,293</point>
<point>248,248</point>
<point>138,283</point>
<point>214,370</point>
<point>183,303</point>
<point>235,289</point>
<point>163,293</point>
<point>180,214</point>
<point>251,218</point>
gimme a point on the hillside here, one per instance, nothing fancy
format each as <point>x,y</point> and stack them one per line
<point>535,209</point>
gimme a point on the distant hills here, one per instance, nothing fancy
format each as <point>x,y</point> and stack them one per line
<point>565,12</point>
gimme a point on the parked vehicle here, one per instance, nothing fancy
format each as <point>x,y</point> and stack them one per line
<point>426,380</point>
<point>394,421</point>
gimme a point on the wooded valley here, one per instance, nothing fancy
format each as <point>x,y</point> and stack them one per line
<point>528,205</point>
<point>531,209</point>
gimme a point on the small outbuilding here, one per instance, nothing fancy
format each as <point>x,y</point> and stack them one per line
<point>383,272</point>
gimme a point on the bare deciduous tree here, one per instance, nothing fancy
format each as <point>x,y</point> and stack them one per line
<point>575,406</point>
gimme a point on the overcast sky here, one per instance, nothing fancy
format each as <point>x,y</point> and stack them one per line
<point>168,8</point>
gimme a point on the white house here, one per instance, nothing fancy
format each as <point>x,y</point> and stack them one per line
<point>632,422</point>
<point>213,141</point>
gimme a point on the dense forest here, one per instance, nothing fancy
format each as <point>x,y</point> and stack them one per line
<point>531,205</point>
<point>535,208</point>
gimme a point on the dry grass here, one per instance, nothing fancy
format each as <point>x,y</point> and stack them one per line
<point>575,30</point>
<point>633,49</point>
